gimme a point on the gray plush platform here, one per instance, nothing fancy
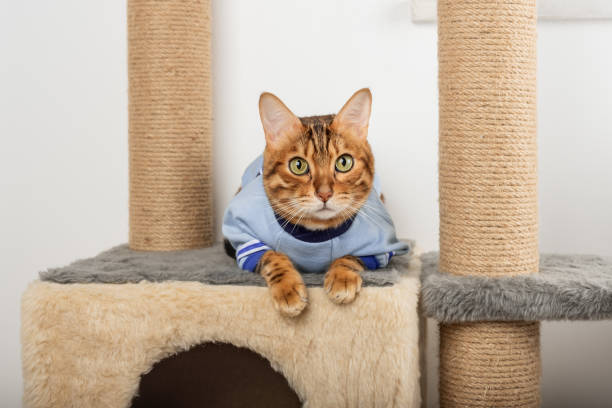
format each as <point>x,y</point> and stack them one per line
<point>574,287</point>
<point>209,265</point>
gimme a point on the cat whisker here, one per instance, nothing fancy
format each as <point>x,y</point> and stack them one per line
<point>298,221</point>
<point>279,208</point>
<point>373,209</point>
<point>367,217</point>
<point>285,210</point>
<point>289,221</point>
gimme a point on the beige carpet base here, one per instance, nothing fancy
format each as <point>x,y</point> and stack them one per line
<point>86,345</point>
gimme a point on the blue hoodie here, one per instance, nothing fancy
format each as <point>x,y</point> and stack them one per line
<point>253,228</point>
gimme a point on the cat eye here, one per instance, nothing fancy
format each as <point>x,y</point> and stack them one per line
<point>298,166</point>
<point>344,163</point>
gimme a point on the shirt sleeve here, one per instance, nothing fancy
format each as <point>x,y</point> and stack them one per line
<point>238,231</point>
<point>249,254</point>
<point>394,247</point>
<point>249,249</point>
<point>377,261</point>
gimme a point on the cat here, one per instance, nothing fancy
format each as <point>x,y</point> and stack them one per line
<point>310,202</point>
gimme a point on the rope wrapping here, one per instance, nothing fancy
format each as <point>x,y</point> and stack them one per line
<point>488,150</point>
<point>490,364</point>
<point>488,191</point>
<point>170,124</point>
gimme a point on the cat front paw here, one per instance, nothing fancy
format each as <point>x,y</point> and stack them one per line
<point>284,282</point>
<point>289,294</point>
<point>343,282</point>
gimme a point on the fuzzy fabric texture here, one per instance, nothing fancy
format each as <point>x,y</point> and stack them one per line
<point>574,287</point>
<point>86,345</point>
<point>208,265</point>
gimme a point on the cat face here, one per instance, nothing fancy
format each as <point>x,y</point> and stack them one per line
<point>318,171</point>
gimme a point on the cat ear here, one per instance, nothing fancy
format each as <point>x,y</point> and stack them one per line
<point>277,120</point>
<point>354,116</point>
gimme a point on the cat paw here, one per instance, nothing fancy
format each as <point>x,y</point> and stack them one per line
<point>342,284</point>
<point>289,294</point>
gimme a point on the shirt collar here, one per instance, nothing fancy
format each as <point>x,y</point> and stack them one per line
<point>304,234</point>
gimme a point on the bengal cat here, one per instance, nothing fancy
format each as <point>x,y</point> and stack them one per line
<point>317,173</point>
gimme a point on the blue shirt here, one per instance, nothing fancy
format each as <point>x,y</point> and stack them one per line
<point>252,227</point>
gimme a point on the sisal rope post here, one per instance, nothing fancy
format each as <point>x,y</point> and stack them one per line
<point>488,191</point>
<point>170,124</point>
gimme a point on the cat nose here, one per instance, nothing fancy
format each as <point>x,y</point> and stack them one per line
<point>324,195</point>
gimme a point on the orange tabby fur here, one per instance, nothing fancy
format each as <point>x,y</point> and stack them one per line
<point>320,140</point>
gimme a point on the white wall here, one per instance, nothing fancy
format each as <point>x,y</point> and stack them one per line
<point>63,122</point>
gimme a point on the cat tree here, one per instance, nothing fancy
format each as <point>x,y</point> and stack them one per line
<point>102,330</point>
<point>122,329</point>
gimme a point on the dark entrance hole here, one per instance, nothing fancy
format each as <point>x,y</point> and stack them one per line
<point>214,375</point>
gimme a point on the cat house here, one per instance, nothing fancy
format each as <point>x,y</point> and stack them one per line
<point>169,320</point>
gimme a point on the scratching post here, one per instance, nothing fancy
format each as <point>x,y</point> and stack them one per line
<point>488,191</point>
<point>170,124</point>
<point>493,364</point>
